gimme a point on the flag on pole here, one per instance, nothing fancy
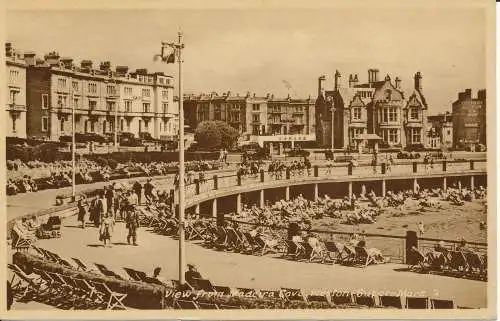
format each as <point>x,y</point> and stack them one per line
<point>170,59</point>
<point>287,84</point>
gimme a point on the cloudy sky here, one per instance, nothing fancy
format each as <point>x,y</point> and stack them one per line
<point>255,50</point>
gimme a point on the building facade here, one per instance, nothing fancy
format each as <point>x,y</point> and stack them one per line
<point>440,132</point>
<point>104,99</point>
<point>273,123</point>
<point>15,110</point>
<point>469,119</point>
<point>377,109</point>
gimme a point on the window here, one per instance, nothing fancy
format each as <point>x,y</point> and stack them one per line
<point>14,74</point>
<point>146,93</point>
<point>164,94</point>
<point>92,87</point>
<point>393,136</point>
<point>145,107</point>
<point>128,91</point>
<point>45,101</point>
<point>61,83</point>
<point>121,124</point>
<point>75,85</point>
<point>415,135</point>
<point>13,95</point>
<point>92,105</point>
<point>356,113</point>
<point>92,126</point>
<point>110,105</point>
<point>61,101</point>
<point>14,124</point>
<point>389,114</point>
<point>75,102</point>
<point>104,127</point>
<point>256,118</point>
<point>414,113</point>
<point>355,132</point>
<point>45,123</point>
<point>146,125</point>
<point>61,124</point>
<point>255,107</point>
<point>128,106</point>
<point>165,107</point>
<point>111,90</point>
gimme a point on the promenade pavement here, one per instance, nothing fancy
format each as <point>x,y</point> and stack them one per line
<point>238,270</point>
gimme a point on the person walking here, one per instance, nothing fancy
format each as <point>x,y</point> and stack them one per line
<point>137,187</point>
<point>132,224</point>
<point>82,211</point>
<point>148,191</point>
<point>110,195</point>
<point>106,229</point>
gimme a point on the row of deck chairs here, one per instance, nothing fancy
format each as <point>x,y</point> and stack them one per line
<point>236,240</point>
<point>453,263</point>
<point>343,300</point>
<point>62,291</point>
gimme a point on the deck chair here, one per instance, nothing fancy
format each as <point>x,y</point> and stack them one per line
<point>132,274</point>
<point>181,287</point>
<point>252,244</point>
<point>276,294</point>
<point>417,303</point>
<point>420,259</point>
<point>333,250</point>
<point>267,246</point>
<point>207,306</point>
<point>222,289</point>
<point>458,262</point>
<point>442,304</point>
<point>39,251</point>
<point>185,305</point>
<point>25,284</point>
<point>364,300</point>
<point>293,294</point>
<point>246,292</point>
<point>82,266</point>
<point>92,294</point>
<point>203,284</point>
<point>341,298</point>
<point>106,272</point>
<point>362,256</point>
<point>391,301</point>
<point>222,237</point>
<point>348,255</point>
<point>474,262</point>
<point>318,298</point>
<point>114,300</point>
<point>20,241</point>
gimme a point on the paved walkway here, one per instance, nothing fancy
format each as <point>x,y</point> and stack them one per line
<point>258,272</point>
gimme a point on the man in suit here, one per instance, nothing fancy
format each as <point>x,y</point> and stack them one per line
<point>191,274</point>
<point>132,224</point>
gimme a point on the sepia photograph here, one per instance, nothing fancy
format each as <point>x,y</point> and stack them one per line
<point>249,159</point>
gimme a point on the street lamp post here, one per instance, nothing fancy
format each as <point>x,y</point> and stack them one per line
<point>170,58</point>
<point>73,144</point>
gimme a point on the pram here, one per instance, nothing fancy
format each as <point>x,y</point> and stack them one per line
<point>51,229</point>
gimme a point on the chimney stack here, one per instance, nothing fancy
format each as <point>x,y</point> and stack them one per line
<point>321,85</point>
<point>30,58</point>
<point>8,49</point>
<point>337,79</point>
<point>418,81</point>
<point>121,70</point>
<point>52,58</point>
<point>353,80</point>
<point>67,62</point>
<point>372,75</point>
<point>86,65</point>
<point>398,83</point>
<point>105,66</point>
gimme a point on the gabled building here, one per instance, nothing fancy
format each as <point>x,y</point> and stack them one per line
<point>371,110</point>
<point>15,110</point>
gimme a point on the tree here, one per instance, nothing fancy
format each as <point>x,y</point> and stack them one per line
<point>216,134</point>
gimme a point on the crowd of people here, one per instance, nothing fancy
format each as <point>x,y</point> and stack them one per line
<point>35,175</point>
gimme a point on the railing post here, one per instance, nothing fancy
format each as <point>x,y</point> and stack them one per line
<point>287,173</point>
<point>444,166</point>
<point>216,182</point>
<point>472,164</point>
<point>415,167</point>
<point>349,169</point>
<point>197,181</point>
<point>238,178</point>
<point>316,171</point>
<point>383,168</point>
<point>262,176</point>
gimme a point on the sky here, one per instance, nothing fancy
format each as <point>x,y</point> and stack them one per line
<point>254,50</point>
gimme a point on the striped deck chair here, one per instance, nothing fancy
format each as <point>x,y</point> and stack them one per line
<point>24,284</point>
<point>21,241</point>
<point>364,300</point>
<point>114,300</point>
<point>333,251</point>
<point>132,274</point>
<point>362,256</point>
<point>222,289</point>
<point>458,262</point>
<point>420,259</point>
<point>341,298</point>
<point>475,263</point>
<point>107,272</point>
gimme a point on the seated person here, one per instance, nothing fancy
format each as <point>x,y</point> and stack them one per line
<point>33,224</point>
<point>462,247</point>
<point>156,275</point>
<point>191,274</point>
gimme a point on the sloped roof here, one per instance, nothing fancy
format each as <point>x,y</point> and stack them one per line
<point>418,97</point>
<point>380,92</point>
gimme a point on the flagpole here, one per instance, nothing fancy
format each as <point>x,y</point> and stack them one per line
<point>182,245</point>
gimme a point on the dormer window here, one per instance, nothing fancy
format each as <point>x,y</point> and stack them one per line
<point>356,113</point>
<point>414,113</point>
<point>388,94</point>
